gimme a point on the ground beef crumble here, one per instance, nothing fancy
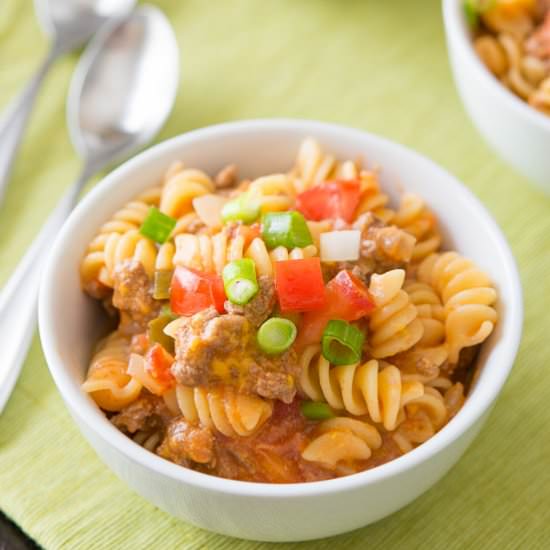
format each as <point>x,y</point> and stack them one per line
<point>133,296</point>
<point>213,349</point>
<point>260,307</point>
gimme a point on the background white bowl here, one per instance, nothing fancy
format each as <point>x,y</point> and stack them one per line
<point>519,133</point>
<point>70,323</point>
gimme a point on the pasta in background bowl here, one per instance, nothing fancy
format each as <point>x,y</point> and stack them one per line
<point>289,511</point>
<point>519,132</point>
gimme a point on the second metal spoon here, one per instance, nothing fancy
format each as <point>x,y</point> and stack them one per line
<point>122,93</point>
<point>70,23</point>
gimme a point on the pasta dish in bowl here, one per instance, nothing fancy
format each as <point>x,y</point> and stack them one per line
<point>279,317</point>
<point>289,328</point>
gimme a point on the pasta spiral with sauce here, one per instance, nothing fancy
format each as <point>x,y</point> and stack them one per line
<point>511,38</point>
<point>222,409</point>
<point>424,416</point>
<point>414,217</point>
<point>372,388</point>
<point>93,270</point>
<point>313,166</point>
<point>430,312</point>
<point>394,326</point>
<point>342,439</point>
<point>181,187</point>
<point>467,295</point>
<point>107,382</point>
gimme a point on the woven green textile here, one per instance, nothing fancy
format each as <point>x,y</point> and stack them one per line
<point>377,65</point>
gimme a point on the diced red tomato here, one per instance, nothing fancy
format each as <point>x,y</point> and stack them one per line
<point>347,298</point>
<point>331,199</point>
<point>157,364</point>
<point>192,291</point>
<point>249,232</point>
<point>299,284</point>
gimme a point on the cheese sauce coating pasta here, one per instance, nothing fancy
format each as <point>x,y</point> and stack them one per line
<point>285,329</point>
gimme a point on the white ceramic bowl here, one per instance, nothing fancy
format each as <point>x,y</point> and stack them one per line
<point>70,323</point>
<point>519,133</point>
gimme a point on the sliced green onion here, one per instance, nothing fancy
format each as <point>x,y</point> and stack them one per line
<point>470,11</point>
<point>316,411</point>
<point>342,343</point>
<point>166,311</point>
<point>155,331</point>
<point>157,226</point>
<point>288,229</point>
<point>473,9</point>
<point>161,284</point>
<point>276,335</point>
<point>242,209</point>
<point>239,281</point>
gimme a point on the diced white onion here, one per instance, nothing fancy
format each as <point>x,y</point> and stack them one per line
<point>340,246</point>
<point>172,327</point>
<point>209,208</point>
<point>137,369</point>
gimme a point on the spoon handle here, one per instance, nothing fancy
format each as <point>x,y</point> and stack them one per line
<point>19,295</point>
<point>15,118</point>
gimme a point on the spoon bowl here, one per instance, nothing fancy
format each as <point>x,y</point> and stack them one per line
<point>134,63</point>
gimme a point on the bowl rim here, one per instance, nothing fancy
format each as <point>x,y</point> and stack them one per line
<point>457,31</point>
<point>82,407</point>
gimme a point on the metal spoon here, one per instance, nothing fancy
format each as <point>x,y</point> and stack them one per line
<point>70,23</point>
<point>121,94</point>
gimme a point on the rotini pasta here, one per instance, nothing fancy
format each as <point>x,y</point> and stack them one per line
<point>342,440</point>
<point>414,217</point>
<point>394,326</point>
<point>93,271</point>
<point>274,193</point>
<point>253,347</point>
<point>374,389</point>
<point>430,312</point>
<point>424,417</point>
<point>512,41</point>
<point>107,381</point>
<point>222,409</point>
<point>373,199</point>
<point>181,187</point>
<point>468,298</point>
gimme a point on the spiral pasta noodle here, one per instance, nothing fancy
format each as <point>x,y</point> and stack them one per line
<point>342,439</point>
<point>513,45</point>
<point>107,382</point>
<point>181,187</point>
<point>373,388</point>
<point>93,270</point>
<point>222,409</point>
<point>314,166</point>
<point>394,326</point>
<point>274,193</point>
<point>424,416</point>
<point>430,312</point>
<point>540,99</point>
<point>414,217</point>
<point>467,295</point>
<point>212,253</point>
<point>372,198</point>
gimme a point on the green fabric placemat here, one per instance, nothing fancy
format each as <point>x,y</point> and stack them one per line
<point>377,65</point>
